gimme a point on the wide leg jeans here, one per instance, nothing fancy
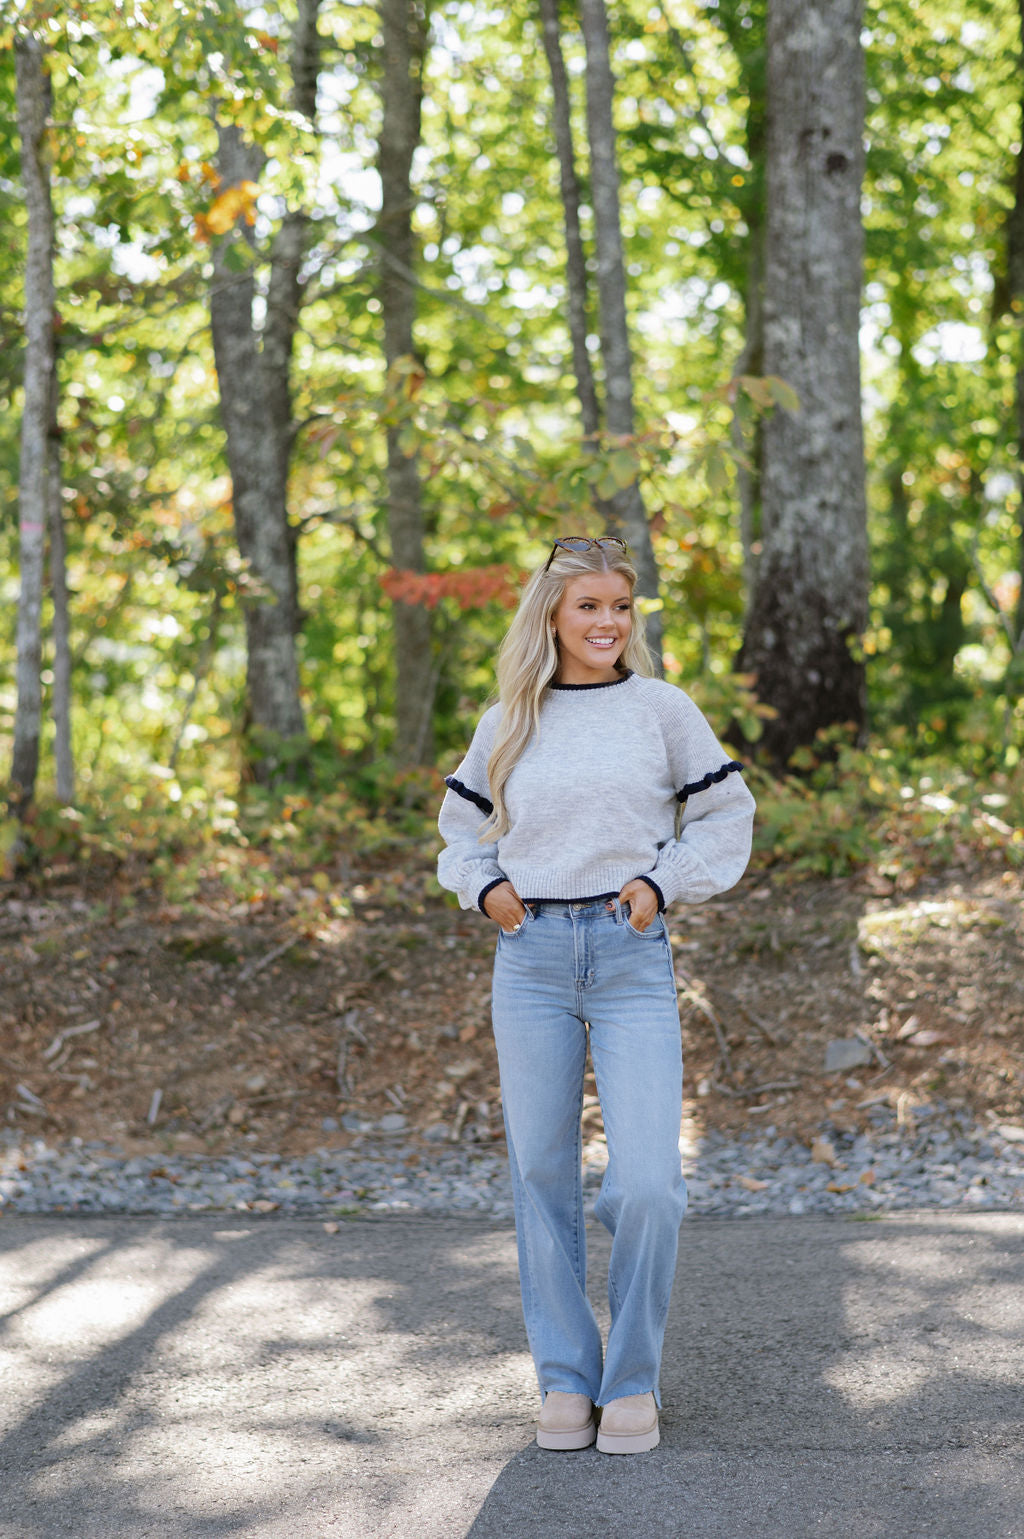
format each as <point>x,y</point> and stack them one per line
<point>572,966</point>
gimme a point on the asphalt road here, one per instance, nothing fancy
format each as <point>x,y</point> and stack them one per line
<point>212,1377</point>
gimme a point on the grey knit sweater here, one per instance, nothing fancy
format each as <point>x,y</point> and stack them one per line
<point>593,800</point>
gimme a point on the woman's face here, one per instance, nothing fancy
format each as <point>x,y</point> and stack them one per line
<point>593,622</point>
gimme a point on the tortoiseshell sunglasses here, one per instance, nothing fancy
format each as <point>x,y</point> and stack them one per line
<point>583,542</point>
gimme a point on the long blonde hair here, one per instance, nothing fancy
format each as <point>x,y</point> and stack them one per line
<point>528,661</point>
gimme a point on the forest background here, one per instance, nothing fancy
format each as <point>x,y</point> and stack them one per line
<point>480,410</point>
<point>331,367</point>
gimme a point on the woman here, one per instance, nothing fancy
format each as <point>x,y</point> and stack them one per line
<point>560,826</point>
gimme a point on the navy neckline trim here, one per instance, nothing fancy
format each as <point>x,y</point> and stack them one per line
<point>609,684</point>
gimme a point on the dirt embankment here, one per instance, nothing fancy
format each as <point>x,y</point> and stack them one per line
<point>271,1026</point>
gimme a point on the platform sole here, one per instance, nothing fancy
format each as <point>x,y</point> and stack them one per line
<point>565,1441</point>
<point>629,1442</point>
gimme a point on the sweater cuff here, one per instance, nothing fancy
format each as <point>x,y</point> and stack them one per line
<point>652,884</point>
<point>485,890</point>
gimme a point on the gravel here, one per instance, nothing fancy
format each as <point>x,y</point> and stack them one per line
<point>934,1161</point>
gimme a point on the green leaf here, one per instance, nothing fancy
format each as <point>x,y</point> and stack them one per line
<point>716,469</point>
<point>759,390</point>
<point>623,468</point>
<point>782,394</point>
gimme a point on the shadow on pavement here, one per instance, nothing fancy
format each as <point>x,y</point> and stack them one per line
<point>821,1377</point>
<point>223,1376</point>
<point>232,1376</point>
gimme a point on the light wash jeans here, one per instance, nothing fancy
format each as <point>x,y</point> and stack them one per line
<point>572,965</point>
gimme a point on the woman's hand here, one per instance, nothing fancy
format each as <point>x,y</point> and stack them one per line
<point>643,903</point>
<point>504,905</point>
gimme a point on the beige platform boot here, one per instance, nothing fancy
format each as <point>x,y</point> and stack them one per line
<point>566,1421</point>
<point>629,1425</point>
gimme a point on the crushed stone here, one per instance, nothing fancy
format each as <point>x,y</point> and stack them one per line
<point>937,1161</point>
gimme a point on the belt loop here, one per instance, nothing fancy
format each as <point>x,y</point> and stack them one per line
<point>618,910</point>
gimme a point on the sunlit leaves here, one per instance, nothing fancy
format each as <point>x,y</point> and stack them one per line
<point>488,402</point>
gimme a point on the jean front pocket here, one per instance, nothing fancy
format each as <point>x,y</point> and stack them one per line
<point>524,924</point>
<point>655,930</point>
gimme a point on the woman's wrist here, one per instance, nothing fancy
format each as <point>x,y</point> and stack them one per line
<point>652,884</point>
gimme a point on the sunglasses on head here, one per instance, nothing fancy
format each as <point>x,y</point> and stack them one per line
<point>583,542</point>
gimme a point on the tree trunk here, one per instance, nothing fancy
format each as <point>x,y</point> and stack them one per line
<point>748,46</point>
<point>253,368</point>
<point>748,438</point>
<point>404,27</point>
<point>810,602</point>
<point>611,288</point>
<point>285,289</point>
<point>575,258</point>
<point>62,745</point>
<point>34,99</point>
<point>1016,276</point>
<point>259,494</point>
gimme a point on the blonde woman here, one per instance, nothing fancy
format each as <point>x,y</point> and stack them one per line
<point>560,826</point>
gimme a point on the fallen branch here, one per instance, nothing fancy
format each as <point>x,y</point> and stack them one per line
<point>755,1020</point>
<point>68,1032</point>
<point>687,989</point>
<point>252,968</point>
<point>743,1095</point>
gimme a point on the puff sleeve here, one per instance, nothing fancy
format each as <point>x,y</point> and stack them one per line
<point>713,846</point>
<point>465,866</point>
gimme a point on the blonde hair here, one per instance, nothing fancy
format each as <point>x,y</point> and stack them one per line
<point>528,661</point>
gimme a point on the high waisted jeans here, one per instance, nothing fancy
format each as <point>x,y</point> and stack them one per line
<point>572,965</point>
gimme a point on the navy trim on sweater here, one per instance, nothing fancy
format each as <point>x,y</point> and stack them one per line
<point>710,779</point>
<point>468,795</point>
<point>481,895</point>
<point>605,684</point>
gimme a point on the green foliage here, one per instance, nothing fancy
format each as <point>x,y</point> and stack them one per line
<point>488,402</point>
<point>253,844</point>
<point>884,806</point>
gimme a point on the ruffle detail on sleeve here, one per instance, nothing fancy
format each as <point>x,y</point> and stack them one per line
<point>486,807</point>
<point>713,777</point>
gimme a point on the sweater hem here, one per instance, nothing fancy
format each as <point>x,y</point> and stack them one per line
<point>569,886</point>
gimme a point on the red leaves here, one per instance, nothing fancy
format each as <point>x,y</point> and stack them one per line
<point>471,587</point>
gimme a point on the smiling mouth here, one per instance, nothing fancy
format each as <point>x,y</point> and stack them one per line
<point>601,641</point>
